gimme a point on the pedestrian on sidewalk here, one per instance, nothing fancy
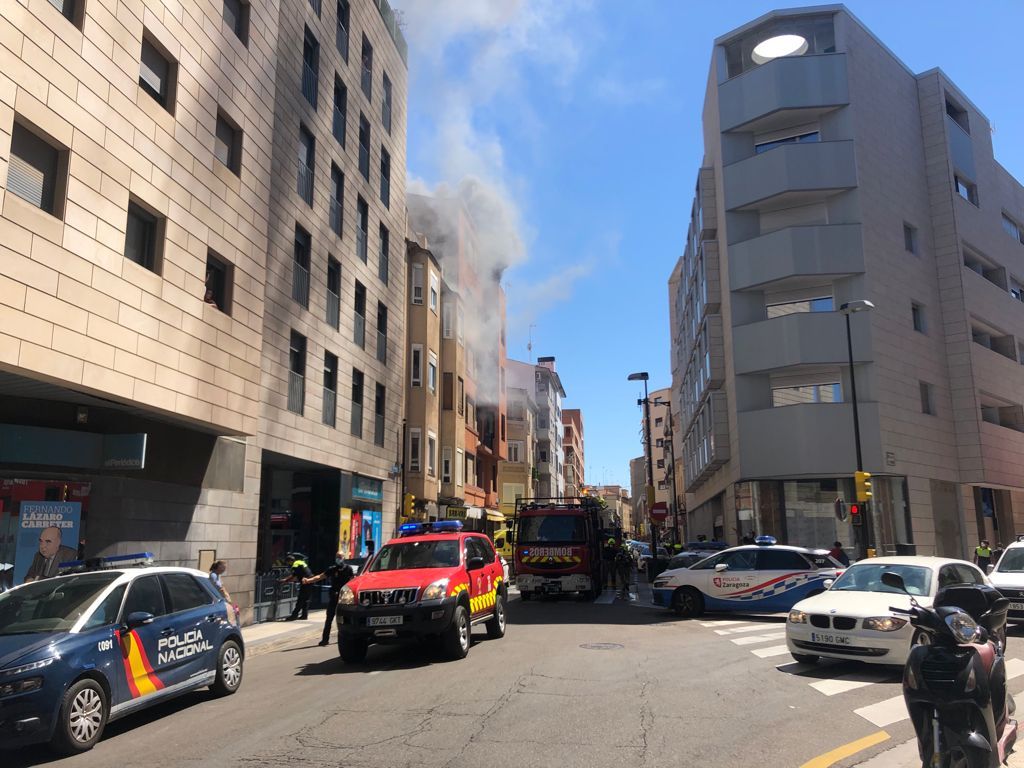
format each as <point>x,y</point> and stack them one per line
<point>983,555</point>
<point>624,570</point>
<point>303,576</point>
<point>338,575</point>
<point>837,553</point>
<point>608,552</point>
<point>218,569</point>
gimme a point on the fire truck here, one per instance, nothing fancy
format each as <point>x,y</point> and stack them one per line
<point>558,547</point>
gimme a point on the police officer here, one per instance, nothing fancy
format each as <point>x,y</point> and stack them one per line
<point>338,575</point>
<point>608,552</point>
<point>302,576</point>
<point>983,555</point>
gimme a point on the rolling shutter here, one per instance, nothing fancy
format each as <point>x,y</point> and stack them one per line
<point>32,171</point>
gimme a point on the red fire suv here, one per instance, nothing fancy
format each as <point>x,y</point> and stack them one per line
<point>433,580</point>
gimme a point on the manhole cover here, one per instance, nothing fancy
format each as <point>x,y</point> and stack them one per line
<point>602,646</point>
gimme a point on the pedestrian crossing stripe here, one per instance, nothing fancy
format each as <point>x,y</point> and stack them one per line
<point>552,559</point>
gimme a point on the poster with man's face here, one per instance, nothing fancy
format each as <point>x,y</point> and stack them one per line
<point>47,537</point>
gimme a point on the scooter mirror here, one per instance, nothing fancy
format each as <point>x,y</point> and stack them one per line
<point>894,580</point>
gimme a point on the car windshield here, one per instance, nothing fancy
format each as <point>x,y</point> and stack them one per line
<point>51,605</point>
<point>552,528</point>
<point>1012,561</point>
<point>868,578</point>
<point>417,554</point>
<point>683,561</point>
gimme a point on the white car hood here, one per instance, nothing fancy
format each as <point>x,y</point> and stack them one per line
<point>857,604</point>
<point>1011,580</point>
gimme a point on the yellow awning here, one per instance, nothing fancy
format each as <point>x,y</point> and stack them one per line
<point>495,517</point>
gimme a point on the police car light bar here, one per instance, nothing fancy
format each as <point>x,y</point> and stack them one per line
<point>137,560</point>
<point>766,541</point>
<point>410,529</point>
<point>446,526</point>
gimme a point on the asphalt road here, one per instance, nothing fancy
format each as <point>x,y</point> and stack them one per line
<point>571,684</point>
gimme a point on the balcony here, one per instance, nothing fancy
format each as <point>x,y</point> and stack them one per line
<point>356,423</point>
<point>378,429</point>
<point>296,392</point>
<point>807,440</point>
<point>359,329</point>
<point>787,91</point>
<point>804,338</point>
<point>361,243</point>
<point>790,175</point>
<point>338,126</point>
<point>335,216</point>
<point>382,347</point>
<point>300,284</point>
<point>793,254</point>
<point>309,83</point>
<point>333,309</point>
<point>330,406</point>
<point>304,182</point>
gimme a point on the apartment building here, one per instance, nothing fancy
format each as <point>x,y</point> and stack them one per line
<point>636,523</point>
<point>832,175</point>
<point>545,386</point>
<point>167,270</point>
<point>518,477</point>
<point>572,447</point>
<point>457,416</point>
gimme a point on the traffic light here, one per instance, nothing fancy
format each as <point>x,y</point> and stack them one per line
<point>862,482</point>
<point>856,514</point>
<point>409,505</point>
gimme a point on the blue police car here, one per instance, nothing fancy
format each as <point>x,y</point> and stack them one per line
<point>82,649</point>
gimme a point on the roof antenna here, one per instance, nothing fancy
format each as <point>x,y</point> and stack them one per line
<point>529,344</point>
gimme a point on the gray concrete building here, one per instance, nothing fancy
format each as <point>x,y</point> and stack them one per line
<point>180,303</point>
<point>833,174</point>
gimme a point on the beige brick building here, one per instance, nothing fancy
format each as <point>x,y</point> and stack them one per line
<point>834,174</point>
<point>149,210</point>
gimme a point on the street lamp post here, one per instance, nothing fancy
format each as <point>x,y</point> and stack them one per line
<point>849,308</point>
<point>643,376</point>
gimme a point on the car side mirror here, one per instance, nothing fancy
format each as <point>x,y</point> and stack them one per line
<point>474,563</point>
<point>138,619</point>
<point>827,583</point>
<point>720,567</point>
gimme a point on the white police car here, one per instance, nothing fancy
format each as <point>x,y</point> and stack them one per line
<point>79,650</point>
<point>759,578</point>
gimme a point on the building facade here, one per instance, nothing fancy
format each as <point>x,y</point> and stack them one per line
<point>834,174</point>
<point>636,523</point>
<point>545,386</point>
<point>518,477</point>
<point>150,215</point>
<point>572,447</point>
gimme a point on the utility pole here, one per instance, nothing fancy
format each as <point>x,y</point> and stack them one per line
<point>644,376</point>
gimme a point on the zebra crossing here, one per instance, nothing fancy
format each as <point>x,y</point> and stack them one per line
<point>762,639</point>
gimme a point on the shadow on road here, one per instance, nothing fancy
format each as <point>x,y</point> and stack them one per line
<point>828,669</point>
<point>407,654</point>
<point>568,611</point>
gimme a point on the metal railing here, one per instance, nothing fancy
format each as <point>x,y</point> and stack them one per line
<point>359,329</point>
<point>366,81</point>
<point>333,309</point>
<point>378,429</point>
<point>300,284</point>
<point>296,392</point>
<point>330,406</point>
<point>304,182</point>
<point>383,267</point>
<point>385,191</point>
<point>338,126</point>
<point>357,419</point>
<point>361,239</point>
<point>382,347</point>
<point>309,83</point>
<point>385,115</point>
<point>364,160</point>
<point>335,216</point>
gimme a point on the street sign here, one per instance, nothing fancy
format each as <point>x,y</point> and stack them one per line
<point>659,511</point>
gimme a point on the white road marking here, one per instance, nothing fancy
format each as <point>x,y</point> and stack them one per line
<point>740,630</point>
<point>719,623</point>
<point>841,685</point>
<point>775,650</point>
<point>753,639</point>
<point>885,712</point>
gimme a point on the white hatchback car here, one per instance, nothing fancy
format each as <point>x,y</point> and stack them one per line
<point>853,620</point>
<point>1008,578</point>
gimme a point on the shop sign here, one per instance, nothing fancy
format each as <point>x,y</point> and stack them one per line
<point>367,489</point>
<point>455,513</point>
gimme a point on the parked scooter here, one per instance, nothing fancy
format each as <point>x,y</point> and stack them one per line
<point>954,682</point>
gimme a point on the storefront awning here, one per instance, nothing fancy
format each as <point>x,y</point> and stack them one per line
<point>495,517</point>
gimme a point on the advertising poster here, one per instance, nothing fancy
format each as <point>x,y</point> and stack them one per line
<point>357,535</point>
<point>47,537</point>
<point>372,528</point>
<point>345,531</point>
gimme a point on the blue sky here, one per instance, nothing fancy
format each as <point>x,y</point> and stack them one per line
<point>584,121</point>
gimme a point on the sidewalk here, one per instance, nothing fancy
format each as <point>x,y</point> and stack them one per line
<point>269,633</point>
<point>905,756</point>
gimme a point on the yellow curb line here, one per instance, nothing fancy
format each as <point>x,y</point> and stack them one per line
<point>837,754</point>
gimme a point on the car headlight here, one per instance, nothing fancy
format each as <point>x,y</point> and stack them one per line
<point>963,627</point>
<point>436,591</point>
<point>797,617</point>
<point>23,668</point>
<point>346,596</point>
<point>884,623</point>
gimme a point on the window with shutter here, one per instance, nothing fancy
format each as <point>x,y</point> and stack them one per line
<point>32,171</point>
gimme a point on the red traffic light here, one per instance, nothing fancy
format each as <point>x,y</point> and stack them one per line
<point>856,518</point>
<point>855,509</point>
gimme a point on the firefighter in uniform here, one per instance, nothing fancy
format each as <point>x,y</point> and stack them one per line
<point>338,575</point>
